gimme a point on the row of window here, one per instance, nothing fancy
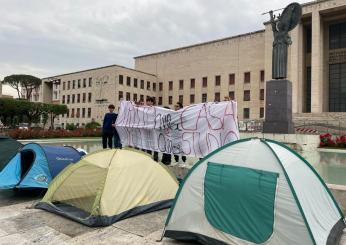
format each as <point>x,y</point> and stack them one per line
<point>135,83</point>
<point>217,97</point>
<point>76,98</point>
<point>246,113</point>
<point>247,97</point>
<point>231,81</point>
<point>135,97</point>
<point>78,113</point>
<point>75,84</point>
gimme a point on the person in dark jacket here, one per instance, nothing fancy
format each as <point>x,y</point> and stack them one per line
<point>177,107</point>
<point>117,142</point>
<point>108,128</point>
<point>166,158</point>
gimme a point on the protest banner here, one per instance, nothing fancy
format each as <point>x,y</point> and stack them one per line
<point>194,130</point>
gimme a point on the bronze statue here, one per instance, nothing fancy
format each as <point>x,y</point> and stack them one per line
<point>281,25</point>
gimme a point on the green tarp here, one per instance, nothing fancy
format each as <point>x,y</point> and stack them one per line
<point>238,195</point>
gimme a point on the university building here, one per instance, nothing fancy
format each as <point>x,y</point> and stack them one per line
<point>236,66</point>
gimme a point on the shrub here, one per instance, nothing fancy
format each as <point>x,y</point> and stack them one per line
<point>57,133</point>
<point>328,140</point>
<point>92,125</point>
<point>71,126</point>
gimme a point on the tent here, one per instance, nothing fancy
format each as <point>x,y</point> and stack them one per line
<point>254,191</point>
<point>8,148</point>
<point>110,185</point>
<point>34,166</point>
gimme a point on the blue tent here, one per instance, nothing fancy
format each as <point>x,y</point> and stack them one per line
<point>34,166</point>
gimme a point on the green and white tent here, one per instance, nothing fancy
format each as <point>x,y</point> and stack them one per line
<point>255,191</point>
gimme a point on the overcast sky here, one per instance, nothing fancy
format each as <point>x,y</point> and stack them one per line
<point>50,37</point>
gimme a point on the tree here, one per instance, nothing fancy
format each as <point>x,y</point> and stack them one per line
<point>26,82</point>
<point>54,111</point>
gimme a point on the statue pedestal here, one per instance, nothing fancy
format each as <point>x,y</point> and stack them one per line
<point>278,114</point>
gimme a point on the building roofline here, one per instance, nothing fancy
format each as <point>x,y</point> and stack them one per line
<point>201,44</point>
<point>96,68</point>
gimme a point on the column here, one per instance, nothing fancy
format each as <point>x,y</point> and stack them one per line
<point>317,64</point>
<point>296,73</point>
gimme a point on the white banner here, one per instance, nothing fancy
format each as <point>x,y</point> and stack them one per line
<point>194,130</point>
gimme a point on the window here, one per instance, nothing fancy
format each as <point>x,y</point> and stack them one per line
<point>90,81</point>
<point>89,112</point>
<point>170,100</point>
<point>170,85</point>
<point>160,100</point>
<point>217,80</point>
<point>72,112</point>
<point>181,99</point>
<point>84,82</point>
<point>160,86</point>
<point>73,98</point>
<point>261,94</point>
<point>142,97</point>
<point>262,112</point>
<point>247,77</point>
<point>134,97</point>
<point>204,98</point>
<point>84,97</point>
<point>73,84</point>
<point>205,82</point>
<point>78,113</point>
<point>246,95</point>
<point>217,97</point>
<point>63,99</point>
<point>68,99</point>
<point>120,95</point>
<point>154,86</point>
<point>128,96</point>
<point>135,82</point>
<point>78,98</point>
<point>68,113</point>
<point>337,87</point>
<point>231,79</point>
<point>148,85</point>
<point>192,98</point>
<point>337,36</point>
<point>246,113</point>
<point>142,84</point>
<point>181,84</point>
<point>63,85</point>
<point>262,75</point>
<point>89,97</point>
<point>121,79</point>
<point>231,95</point>
<point>79,83</point>
<point>55,95</point>
<point>192,83</point>
<point>69,85</point>
<point>128,81</point>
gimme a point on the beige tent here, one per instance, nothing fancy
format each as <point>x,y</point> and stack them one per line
<point>110,185</point>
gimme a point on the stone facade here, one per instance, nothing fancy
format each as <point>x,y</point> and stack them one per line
<point>88,93</point>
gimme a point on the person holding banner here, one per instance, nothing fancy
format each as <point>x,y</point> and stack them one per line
<point>177,107</point>
<point>150,101</point>
<point>108,128</point>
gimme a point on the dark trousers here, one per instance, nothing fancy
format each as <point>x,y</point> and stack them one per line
<point>176,158</point>
<point>156,155</point>
<point>117,142</point>
<point>107,139</point>
<point>166,159</point>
